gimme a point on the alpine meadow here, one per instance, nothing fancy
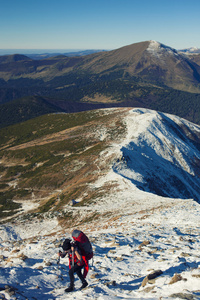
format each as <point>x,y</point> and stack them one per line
<point>100,150</point>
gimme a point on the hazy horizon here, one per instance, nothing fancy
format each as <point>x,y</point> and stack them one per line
<point>50,51</point>
<point>40,51</point>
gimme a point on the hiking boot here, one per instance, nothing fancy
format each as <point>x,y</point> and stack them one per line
<point>84,285</point>
<point>69,289</point>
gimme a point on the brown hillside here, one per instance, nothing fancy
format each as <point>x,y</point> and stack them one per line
<point>151,61</point>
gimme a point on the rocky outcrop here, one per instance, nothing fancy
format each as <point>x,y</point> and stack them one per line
<point>151,276</point>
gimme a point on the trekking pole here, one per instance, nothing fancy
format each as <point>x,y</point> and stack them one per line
<point>73,259</point>
<point>58,263</point>
<point>59,268</point>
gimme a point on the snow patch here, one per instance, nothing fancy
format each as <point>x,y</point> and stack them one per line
<point>160,51</point>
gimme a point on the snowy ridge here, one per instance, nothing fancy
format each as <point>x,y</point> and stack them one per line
<point>139,231</point>
<point>158,156</point>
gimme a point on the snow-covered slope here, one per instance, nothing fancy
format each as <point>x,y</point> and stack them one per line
<point>159,50</point>
<point>145,221</point>
<point>161,155</point>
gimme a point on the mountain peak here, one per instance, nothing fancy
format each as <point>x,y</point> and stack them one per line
<point>156,47</point>
<point>18,57</point>
<point>154,44</point>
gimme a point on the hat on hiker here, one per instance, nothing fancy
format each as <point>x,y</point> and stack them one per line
<point>66,245</point>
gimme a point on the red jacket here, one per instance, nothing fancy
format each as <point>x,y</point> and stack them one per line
<point>82,262</point>
<point>76,260</point>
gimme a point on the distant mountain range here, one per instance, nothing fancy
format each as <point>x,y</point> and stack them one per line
<point>191,50</point>
<point>147,74</point>
<point>149,60</point>
<point>69,54</point>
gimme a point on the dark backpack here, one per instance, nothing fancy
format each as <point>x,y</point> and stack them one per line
<point>83,243</point>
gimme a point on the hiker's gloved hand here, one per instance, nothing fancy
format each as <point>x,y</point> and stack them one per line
<point>61,254</point>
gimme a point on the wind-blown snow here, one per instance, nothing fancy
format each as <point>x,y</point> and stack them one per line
<point>159,50</point>
<point>139,232</point>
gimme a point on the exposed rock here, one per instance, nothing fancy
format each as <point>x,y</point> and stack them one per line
<point>151,276</point>
<point>15,251</point>
<point>153,251</point>
<point>191,240</point>
<point>95,275</point>
<point>183,296</point>
<point>112,251</point>
<point>10,290</point>
<point>175,278</point>
<point>114,244</point>
<point>183,254</point>
<point>145,243</point>
<point>196,275</point>
<point>119,258</point>
<point>113,282</point>
<point>152,281</point>
<point>148,289</point>
<point>9,259</point>
<point>23,256</point>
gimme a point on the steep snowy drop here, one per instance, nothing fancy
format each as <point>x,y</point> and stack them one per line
<point>160,154</point>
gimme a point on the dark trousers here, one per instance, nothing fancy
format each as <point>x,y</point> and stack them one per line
<point>76,269</point>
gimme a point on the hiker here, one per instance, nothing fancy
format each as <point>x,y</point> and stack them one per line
<point>76,263</point>
<point>85,247</point>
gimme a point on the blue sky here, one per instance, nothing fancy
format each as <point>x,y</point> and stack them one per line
<point>97,24</point>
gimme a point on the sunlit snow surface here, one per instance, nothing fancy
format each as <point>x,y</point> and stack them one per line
<point>169,225</point>
<point>157,49</point>
<point>159,154</point>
